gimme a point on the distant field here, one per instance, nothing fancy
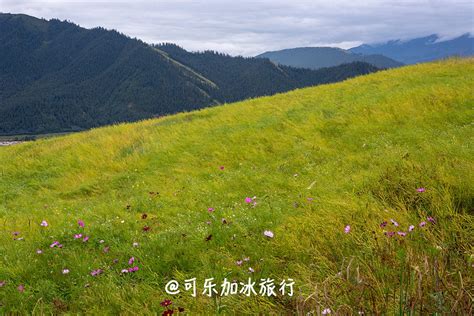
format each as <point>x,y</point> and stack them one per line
<point>360,191</point>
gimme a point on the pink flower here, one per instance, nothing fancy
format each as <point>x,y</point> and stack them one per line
<point>44,224</point>
<point>2,283</point>
<point>210,210</point>
<point>131,260</point>
<point>85,239</point>
<point>383,224</point>
<point>106,249</point>
<point>21,288</point>
<point>96,272</point>
<point>239,262</point>
<point>248,200</point>
<point>134,269</point>
<point>208,222</point>
<point>423,224</point>
<point>411,228</point>
<point>389,234</point>
<point>251,270</point>
<point>16,233</point>
<point>135,244</point>
<point>268,233</point>
<point>431,220</point>
<point>77,236</point>
<point>39,251</point>
<point>66,271</point>
<point>124,271</point>
<point>54,244</point>
<point>310,199</point>
<point>421,190</point>
<point>326,311</point>
<point>81,223</point>
<point>394,222</point>
<point>246,259</point>
<point>221,167</point>
<point>402,234</point>
<point>347,229</point>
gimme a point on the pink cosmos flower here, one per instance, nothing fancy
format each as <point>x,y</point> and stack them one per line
<point>248,200</point>
<point>394,222</point>
<point>326,311</point>
<point>131,260</point>
<point>411,228</point>
<point>81,223</point>
<point>44,224</point>
<point>402,234</point>
<point>208,222</point>
<point>347,229</point>
<point>106,249</point>
<point>268,233</point>
<point>423,224</point>
<point>239,262</point>
<point>66,271</point>
<point>166,303</point>
<point>39,251</point>
<point>421,190</point>
<point>246,259</point>
<point>96,272</point>
<point>21,288</point>
<point>2,283</point>
<point>383,224</point>
<point>310,199</point>
<point>431,220</point>
<point>389,234</point>
<point>251,270</point>
<point>77,236</point>
<point>221,167</point>
<point>101,241</point>
<point>124,271</point>
<point>85,239</point>
<point>54,244</point>
<point>16,233</point>
<point>134,269</point>
<point>210,210</point>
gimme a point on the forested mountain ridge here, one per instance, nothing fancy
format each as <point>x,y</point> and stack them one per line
<point>56,76</point>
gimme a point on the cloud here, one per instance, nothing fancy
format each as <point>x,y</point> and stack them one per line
<point>250,27</point>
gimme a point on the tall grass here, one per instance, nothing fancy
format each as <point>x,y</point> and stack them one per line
<point>317,160</point>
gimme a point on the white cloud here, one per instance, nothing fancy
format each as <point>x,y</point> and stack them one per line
<point>250,27</point>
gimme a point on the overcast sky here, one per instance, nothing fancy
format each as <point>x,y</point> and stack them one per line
<point>242,27</point>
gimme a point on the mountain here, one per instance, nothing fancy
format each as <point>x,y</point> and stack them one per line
<point>421,49</point>
<point>57,77</point>
<point>318,57</point>
<point>321,170</point>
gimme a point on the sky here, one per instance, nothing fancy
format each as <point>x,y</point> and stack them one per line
<point>242,27</point>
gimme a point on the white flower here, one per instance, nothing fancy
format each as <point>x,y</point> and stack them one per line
<point>268,233</point>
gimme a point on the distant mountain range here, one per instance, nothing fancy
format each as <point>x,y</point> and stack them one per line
<point>385,55</point>
<point>56,76</point>
<point>319,57</point>
<point>420,49</point>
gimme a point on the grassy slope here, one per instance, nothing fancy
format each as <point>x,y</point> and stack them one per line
<point>360,148</point>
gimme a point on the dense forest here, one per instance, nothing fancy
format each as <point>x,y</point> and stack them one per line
<point>56,77</point>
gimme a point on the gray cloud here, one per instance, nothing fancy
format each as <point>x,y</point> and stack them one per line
<point>243,27</point>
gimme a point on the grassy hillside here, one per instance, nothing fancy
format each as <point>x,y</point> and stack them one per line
<point>355,153</point>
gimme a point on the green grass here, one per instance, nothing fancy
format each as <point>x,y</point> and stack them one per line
<point>359,149</point>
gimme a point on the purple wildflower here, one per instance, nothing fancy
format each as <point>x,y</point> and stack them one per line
<point>131,260</point>
<point>421,190</point>
<point>347,229</point>
<point>77,236</point>
<point>44,224</point>
<point>239,262</point>
<point>431,220</point>
<point>402,234</point>
<point>81,223</point>
<point>96,272</point>
<point>395,223</point>
<point>383,224</point>
<point>85,239</point>
<point>423,224</point>
<point>411,228</point>
<point>21,288</point>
